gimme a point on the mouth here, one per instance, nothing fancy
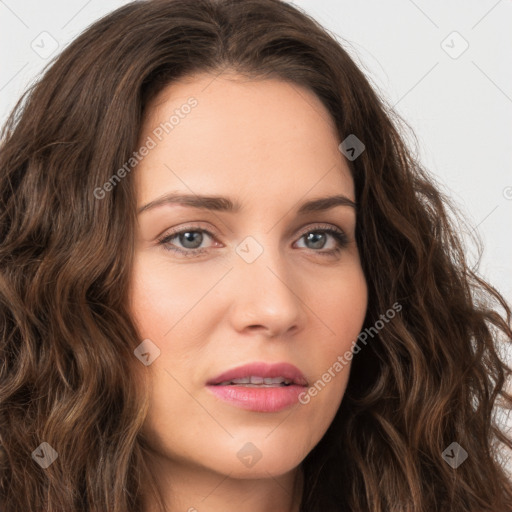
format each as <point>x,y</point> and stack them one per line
<point>258,382</point>
<point>259,387</point>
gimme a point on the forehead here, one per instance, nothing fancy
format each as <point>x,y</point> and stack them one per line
<point>232,135</point>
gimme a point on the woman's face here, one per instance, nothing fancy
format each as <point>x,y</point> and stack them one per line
<point>262,282</point>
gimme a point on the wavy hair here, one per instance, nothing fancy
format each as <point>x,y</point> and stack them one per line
<point>431,377</point>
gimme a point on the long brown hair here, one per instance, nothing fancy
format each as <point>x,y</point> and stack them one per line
<point>431,377</point>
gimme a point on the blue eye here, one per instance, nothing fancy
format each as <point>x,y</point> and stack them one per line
<point>191,239</point>
<point>314,235</point>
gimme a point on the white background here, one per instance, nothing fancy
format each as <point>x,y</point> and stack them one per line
<point>459,108</point>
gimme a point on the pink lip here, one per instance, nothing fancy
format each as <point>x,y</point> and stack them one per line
<point>270,399</point>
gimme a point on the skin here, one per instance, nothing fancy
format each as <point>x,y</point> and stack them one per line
<point>270,145</point>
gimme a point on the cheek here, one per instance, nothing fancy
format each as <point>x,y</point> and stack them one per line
<point>150,305</point>
<point>163,294</point>
<point>341,308</point>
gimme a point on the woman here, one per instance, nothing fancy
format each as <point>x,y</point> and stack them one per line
<point>227,284</point>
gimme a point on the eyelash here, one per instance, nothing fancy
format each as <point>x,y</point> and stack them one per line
<point>338,235</point>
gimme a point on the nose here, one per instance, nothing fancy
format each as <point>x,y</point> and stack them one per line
<point>266,295</point>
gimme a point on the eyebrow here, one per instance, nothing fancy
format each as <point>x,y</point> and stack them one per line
<point>224,204</point>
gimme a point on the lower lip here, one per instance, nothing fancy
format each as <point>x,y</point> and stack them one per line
<point>264,399</point>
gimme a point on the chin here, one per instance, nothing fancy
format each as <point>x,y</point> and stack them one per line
<point>280,463</point>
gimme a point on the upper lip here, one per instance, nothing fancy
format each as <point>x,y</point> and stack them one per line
<point>261,369</point>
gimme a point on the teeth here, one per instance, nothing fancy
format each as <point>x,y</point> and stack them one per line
<point>243,380</point>
<point>258,381</point>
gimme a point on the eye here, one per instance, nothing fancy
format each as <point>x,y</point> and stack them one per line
<point>191,239</point>
<point>316,239</point>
